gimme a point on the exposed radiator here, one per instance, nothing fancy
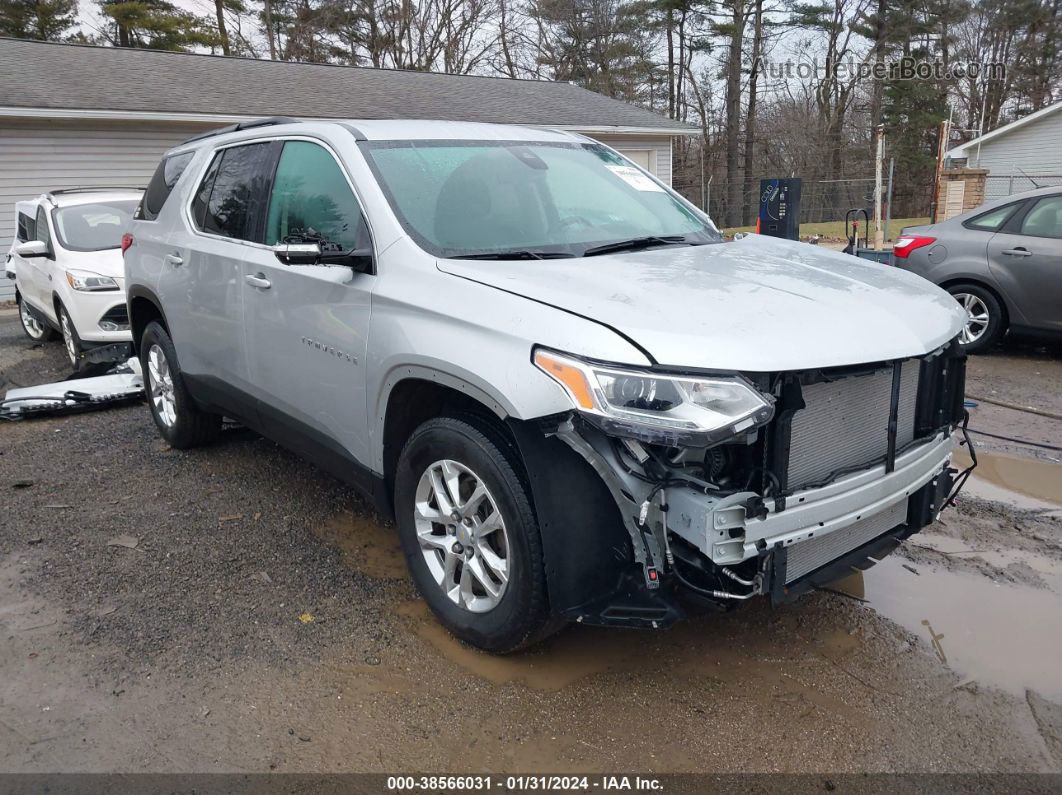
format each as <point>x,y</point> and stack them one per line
<point>845,424</point>
<point>805,557</point>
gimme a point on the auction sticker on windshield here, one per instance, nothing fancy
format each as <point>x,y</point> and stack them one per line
<point>635,178</point>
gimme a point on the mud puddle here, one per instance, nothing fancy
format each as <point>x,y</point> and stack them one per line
<point>1005,635</point>
<point>365,545</point>
<point>715,651</point>
<point>1027,483</point>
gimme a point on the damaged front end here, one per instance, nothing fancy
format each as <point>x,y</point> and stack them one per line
<point>830,470</point>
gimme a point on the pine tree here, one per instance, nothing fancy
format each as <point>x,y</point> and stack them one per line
<point>47,20</point>
<point>156,25</point>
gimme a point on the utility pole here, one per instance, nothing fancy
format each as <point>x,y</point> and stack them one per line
<point>879,156</point>
<point>888,198</point>
<point>942,146</point>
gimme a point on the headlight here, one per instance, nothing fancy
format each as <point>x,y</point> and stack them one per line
<point>86,281</point>
<point>667,409</point>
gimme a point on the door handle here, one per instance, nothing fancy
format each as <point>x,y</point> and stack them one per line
<point>175,260</point>
<point>258,281</point>
<point>1020,251</point>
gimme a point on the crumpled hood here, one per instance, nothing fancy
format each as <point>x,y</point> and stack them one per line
<point>759,304</point>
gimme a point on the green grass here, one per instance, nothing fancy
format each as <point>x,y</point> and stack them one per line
<point>834,230</point>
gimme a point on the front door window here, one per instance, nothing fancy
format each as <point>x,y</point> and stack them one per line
<point>313,200</point>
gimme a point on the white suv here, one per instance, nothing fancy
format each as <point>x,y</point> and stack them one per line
<point>66,262</point>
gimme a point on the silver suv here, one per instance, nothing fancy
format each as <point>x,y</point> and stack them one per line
<point>574,399</point>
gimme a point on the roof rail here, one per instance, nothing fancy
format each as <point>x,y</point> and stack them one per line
<point>89,189</point>
<point>243,125</point>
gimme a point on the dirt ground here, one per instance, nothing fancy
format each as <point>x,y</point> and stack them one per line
<point>233,609</point>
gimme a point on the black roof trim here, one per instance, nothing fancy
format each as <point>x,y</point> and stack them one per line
<point>243,125</point>
<point>89,189</point>
<point>358,134</point>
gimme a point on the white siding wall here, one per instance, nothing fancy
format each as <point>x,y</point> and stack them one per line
<point>1035,148</point>
<point>40,156</point>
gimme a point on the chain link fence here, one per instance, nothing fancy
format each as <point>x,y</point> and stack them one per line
<point>821,201</point>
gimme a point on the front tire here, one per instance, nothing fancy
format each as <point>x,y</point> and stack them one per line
<point>985,319</point>
<point>470,536</point>
<point>179,420</point>
<point>71,341</point>
<point>34,326</point>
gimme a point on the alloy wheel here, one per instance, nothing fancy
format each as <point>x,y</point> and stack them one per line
<point>160,385</point>
<point>462,536</point>
<point>977,317</point>
<point>68,336</point>
<point>30,322</point>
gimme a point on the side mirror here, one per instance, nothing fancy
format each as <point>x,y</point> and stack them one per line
<point>298,253</point>
<point>360,259</point>
<point>32,249</point>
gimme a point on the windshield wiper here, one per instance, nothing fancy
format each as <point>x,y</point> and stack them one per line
<point>634,244</point>
<point>516,255</point>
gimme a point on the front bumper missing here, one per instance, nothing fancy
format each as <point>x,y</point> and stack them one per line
<point>877,508</point>
<point>922,508</point>
<point>722,531</point>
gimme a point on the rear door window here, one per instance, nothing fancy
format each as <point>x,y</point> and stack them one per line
<point>1044,219</point>
<point>161,185</point>
<point>232,198</point>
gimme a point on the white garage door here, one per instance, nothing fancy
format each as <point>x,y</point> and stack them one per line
<point>44,156</point>
<point>643,157</point>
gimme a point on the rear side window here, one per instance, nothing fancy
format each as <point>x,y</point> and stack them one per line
<point>161,185</point>
<point>27,228</point>
<point>993,219</point>
<point>232,198</point>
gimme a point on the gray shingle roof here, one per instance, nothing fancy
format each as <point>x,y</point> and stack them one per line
<point>42,75</point>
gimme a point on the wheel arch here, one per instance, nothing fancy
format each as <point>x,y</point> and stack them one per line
<point>144,306</point>
<point>419,394</point>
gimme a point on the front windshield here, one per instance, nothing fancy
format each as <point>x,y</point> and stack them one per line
<point>94,227</point>
<point>469,198</point>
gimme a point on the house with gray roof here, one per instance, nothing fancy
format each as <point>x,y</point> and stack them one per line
<point>76,115</point>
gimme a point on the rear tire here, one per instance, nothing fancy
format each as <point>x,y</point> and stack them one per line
<point>179,420</point>
<point>987,321</point>
<point>33,324</point>
<point>477,562</point>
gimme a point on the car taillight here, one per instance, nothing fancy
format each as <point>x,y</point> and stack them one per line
<point>127,241</point>
<point>905,244</point>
